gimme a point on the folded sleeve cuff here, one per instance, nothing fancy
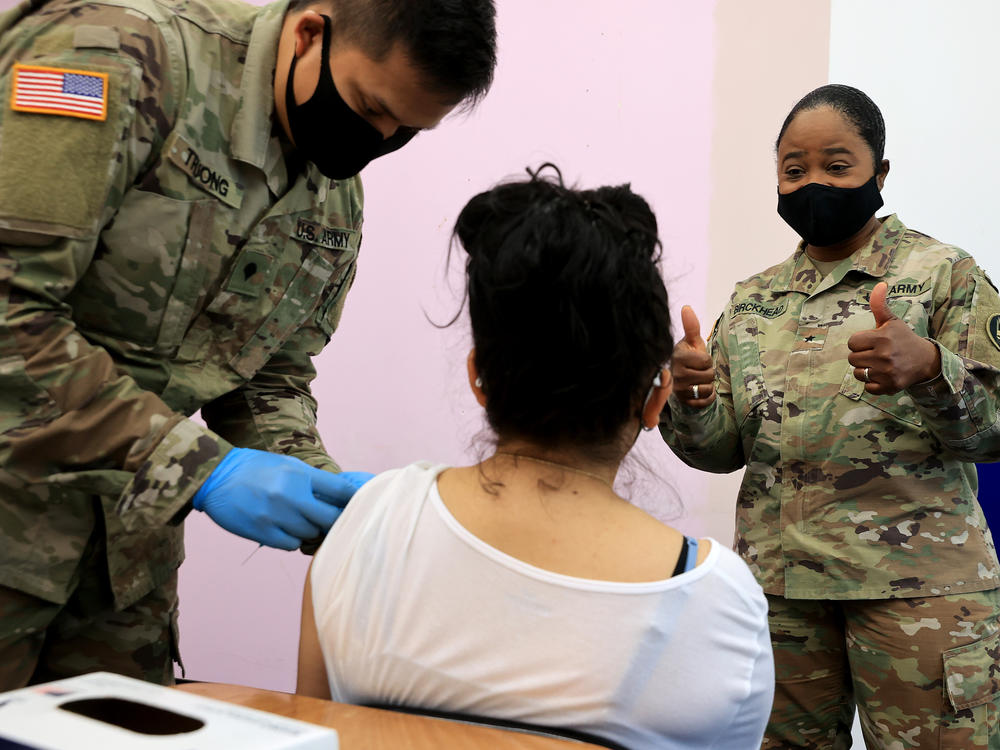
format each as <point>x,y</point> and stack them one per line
<point>946,387</point>
<point>689,420</point>
<point>689,430</point>
<point>163,485</point>
<point>960,406</point>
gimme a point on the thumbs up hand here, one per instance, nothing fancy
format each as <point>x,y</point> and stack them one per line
<point>691,364</point>
<point>891,357</point>
<point>879,306</point>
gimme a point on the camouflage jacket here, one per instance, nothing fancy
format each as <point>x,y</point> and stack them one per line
<point>848,495</point>
<point>154,262</point>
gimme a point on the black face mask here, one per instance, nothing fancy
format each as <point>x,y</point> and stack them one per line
<point>330,134</point>
<point>823,215</point>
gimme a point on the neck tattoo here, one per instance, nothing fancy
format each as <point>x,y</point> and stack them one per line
<point>556,464</point>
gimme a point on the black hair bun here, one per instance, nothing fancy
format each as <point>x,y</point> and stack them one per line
<point>569,313</point>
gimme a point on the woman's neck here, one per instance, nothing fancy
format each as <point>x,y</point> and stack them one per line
<point>558,469</point>
<point>556,511</point>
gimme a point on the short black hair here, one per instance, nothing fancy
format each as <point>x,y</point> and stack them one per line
<point>856,107</point>
<point>452,42</point>
<point>570,318</point>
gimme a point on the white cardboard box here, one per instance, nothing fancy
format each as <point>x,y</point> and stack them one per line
<point>44,717</point>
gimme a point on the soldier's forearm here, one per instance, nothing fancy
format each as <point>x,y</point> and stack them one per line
<point>705,439</point>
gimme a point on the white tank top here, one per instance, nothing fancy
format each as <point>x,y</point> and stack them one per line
<point>412,609</point>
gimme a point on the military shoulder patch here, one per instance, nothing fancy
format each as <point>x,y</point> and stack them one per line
<point>989,280</point>
<point>58,91</point>
<point>715,328</point>
<point>993,329</point>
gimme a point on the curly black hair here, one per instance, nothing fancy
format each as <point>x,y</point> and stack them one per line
<point>570,317</point>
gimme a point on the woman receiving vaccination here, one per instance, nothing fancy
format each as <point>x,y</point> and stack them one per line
<point>524,588</point>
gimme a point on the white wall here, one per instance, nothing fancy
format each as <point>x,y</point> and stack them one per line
<point>932,67</point>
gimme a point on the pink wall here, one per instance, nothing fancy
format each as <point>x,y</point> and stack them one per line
<point>622,96</point>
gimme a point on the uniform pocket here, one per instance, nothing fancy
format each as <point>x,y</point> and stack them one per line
<point>746,370</point>
<point>972,672</point>
<point>198,267</point>
<point>972,683</point>
<point>329,312</point>
<point>127,288</point>
<point>245,299</point>
<point>299,301</point>
<point>899,405</point>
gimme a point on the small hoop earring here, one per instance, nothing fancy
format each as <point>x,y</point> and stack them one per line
<point>648,429</point>
<point>479,382</point>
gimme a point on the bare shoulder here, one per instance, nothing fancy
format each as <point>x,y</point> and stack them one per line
<point>704,547</point>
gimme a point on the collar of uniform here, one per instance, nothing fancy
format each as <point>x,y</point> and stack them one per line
<point>874,258</point>
<point>798,274</point>
<point>251,132</point>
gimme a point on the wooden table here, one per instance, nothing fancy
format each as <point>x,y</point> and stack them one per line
<point>363,728</point>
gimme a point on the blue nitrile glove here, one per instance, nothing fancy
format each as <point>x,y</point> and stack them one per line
<point>274,499</point>
<point>356,479</point>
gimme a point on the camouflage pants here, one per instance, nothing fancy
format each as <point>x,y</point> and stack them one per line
<point>924,672</point>
<point>41,641</point>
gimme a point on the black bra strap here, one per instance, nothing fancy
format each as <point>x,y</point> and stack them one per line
<point>681,565</point>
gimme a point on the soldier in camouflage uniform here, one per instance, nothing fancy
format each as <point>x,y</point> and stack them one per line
<point>857,381</point>
<point>179,225</point>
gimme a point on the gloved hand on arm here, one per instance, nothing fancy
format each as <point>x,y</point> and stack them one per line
<point>274,499</point>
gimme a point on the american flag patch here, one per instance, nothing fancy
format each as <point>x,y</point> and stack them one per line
<point>57,91</point>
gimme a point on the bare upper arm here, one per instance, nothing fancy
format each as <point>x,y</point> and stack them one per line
<point>312,678</point>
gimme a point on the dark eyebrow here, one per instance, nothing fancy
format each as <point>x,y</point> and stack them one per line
<point>831,151</point>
